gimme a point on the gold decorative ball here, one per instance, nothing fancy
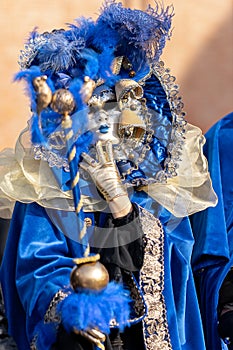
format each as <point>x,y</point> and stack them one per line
<point>132,73</point>
<point>62,101</point>
<point>92,275</point>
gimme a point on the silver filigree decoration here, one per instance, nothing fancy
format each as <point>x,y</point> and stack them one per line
<point>155,325</point>
<point>51,313</point>
<point>99,100</point>
<point>53,159</point>
<point>31,49</point>
<point>55,154</point>
<point>33,345</point>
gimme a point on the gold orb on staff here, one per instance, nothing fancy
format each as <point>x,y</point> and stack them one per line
<point>89,273</point>
<point>63,102</point>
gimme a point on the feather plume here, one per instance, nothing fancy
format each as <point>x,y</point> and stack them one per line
<point>28,75</point>
<point>138,30</point>
<point>58,53</point>
<point>88,309</point>
<point>74,88</point>
<point>91,64</point>
<point>84,28</point>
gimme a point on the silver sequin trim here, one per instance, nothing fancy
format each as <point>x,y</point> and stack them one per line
<point>155,325</point>
<point>51,313</point>
<point>33,344</point>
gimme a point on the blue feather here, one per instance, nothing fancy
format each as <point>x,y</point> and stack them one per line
<point>91,63</point>
<point>33,35</point>
<point>84,28</point>
<point>139,30</point>
<point>88,309</point>
<point>28,75</point>
<point>57,54</point>
<point>74,88</point>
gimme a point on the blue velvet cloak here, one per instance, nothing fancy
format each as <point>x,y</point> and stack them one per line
<point>38,261</point>
<point>213,230</point>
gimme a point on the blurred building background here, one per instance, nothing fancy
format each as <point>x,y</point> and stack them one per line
<point>200,54</point>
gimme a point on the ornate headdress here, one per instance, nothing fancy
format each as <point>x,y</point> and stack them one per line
<point>108,60</point>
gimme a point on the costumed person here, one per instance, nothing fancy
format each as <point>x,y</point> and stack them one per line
<point>104,178</point>
<point>212,258</point>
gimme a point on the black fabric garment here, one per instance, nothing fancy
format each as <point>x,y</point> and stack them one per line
<point>124,262</point>
<point>122,244</point>
<point>225,324</point>
<point>226,291</point>
<point>132,339</point>
<point>225,328</point>
<point>121,261</point>
<point>71,341</point>
<point>4,227</point>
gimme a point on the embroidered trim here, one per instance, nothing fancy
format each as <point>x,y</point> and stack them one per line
<point>33,344</point>
<point>51,314</point>
<point>155,325</point>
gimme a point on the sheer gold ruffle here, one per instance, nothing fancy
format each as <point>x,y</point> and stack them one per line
<point>24,179</point>
<point>191,190</point>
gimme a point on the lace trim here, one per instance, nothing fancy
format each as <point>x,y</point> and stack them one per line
<point>53,159</point>
<point>51,314</point>
<point>177,137</point>
<point>155,325</point>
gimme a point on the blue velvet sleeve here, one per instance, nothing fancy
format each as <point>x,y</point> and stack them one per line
<point>213,229</point>
<point>43,265</point>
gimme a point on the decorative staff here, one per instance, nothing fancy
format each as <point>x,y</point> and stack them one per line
<point>89,278</point>
<point>96,303</point>
<point>63,103</point>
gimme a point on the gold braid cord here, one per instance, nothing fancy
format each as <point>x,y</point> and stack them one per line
<point>155,325</point>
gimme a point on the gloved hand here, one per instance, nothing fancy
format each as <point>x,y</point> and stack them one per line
<point>79,340</point>
<point>106,177</point>
<point>94,336</point>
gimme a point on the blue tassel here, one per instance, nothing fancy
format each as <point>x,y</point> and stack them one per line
<point>89,309</point>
